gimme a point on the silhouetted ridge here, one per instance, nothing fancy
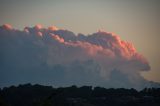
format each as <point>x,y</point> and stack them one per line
<point>39,95</point>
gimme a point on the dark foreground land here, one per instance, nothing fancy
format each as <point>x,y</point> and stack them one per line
<point>38,95</point>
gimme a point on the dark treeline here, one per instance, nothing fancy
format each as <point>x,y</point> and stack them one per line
<point>38,95</point>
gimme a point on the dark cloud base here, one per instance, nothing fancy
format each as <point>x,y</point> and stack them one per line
<point>58,57</point>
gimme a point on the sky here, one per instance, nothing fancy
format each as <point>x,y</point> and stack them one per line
<point>136,21</point>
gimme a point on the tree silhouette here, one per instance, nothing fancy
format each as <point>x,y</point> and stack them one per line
<point>38,95</point>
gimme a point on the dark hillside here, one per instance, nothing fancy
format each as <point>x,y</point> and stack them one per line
<point>38,95</point>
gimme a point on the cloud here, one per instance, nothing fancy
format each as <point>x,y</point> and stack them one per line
<point>59,57</point>
<point>53,28</point>
<point>56,37</point>
<point>7,26</point>
<point>38,27</point>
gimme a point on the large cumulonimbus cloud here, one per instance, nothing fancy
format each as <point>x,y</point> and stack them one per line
<point>61,58</point>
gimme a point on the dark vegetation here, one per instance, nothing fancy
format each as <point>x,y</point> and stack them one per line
<point>38,95</point>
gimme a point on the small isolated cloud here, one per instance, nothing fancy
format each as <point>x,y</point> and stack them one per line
<point>59,57</point>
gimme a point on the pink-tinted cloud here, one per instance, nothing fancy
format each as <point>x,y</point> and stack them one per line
<point>56,37</point>
<point>38,27</point>
<point>7,26</point>
<point>39,34</point>
<point>53,28</point>
<point>56,46</point>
